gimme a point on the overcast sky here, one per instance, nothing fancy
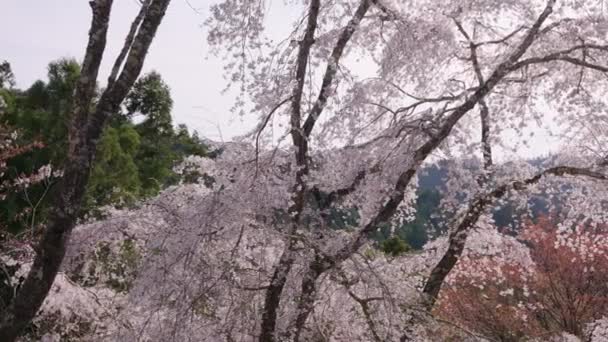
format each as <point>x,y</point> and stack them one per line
<point>35,32</point>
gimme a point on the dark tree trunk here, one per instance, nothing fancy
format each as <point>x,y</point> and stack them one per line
<point>300,134</point>
<point>307,295</point>
<point>85,129</point>
<point>272,299</point>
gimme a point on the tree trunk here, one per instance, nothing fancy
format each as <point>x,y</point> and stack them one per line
<point>272,299</point>
<point>308,294</point>
<point>85,130</point>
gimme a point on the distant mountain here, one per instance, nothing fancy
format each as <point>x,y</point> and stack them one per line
<point>430,222</point>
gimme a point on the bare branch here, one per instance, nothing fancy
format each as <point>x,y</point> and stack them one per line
<point>364,304</point>
<point>337,195</point>
<point>502,40</point>
<point>553,58</point>
<point>261,129</point>
<point>388,14</point>
<point>483,106</point>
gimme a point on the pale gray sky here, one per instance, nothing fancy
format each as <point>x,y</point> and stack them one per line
<point>35,32</point>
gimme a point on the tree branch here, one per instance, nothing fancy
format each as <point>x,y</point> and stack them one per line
<point>332,66</point>
<point>51,248</point>
<point>337,195</point>
<point>261,129</point>
<point>484,111</point>
<point>364,304</point>
<point>389,208</point>
<point>272,298</point>
<point>128,42</point>
<point>300,136</point>
<point>557,57</point>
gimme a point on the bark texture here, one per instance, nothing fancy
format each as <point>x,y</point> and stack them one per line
<point>272,298</point>
<point>85,129</point>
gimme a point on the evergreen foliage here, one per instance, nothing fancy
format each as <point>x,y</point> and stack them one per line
<point>135,156</point>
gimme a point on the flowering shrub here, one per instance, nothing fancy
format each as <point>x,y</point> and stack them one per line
<point>10,148</point>
<point>563,290</point>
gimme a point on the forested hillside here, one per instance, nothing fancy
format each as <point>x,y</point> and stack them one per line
<point>136,153</point>
<point>432,220</point>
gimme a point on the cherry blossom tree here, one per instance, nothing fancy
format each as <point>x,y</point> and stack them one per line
<point>382,127</point>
